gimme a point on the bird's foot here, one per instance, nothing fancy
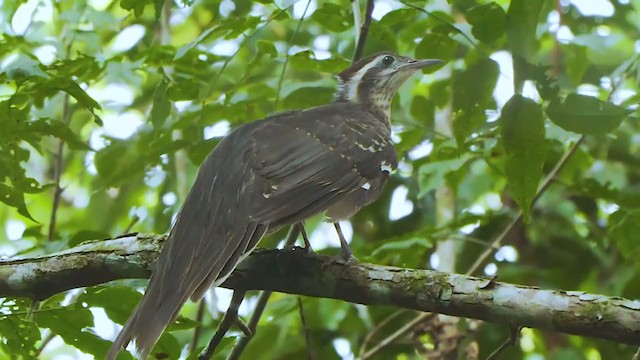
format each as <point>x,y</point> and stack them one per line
<point>307,245</point>
<point>306,249</point>
<point>340,259</point>
<point>309,250</point>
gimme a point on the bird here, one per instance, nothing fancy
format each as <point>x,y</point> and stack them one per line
<point>270,173</point>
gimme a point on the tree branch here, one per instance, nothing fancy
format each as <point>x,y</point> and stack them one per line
<point>364,31</point>
<point>297,272</point>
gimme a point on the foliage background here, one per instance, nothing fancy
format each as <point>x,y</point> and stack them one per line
<point>108,108</point>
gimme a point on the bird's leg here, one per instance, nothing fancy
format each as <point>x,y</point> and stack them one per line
<point>298,228</point>
<point>230,318</point>
<point>305,238</point>
<point>345,250</point>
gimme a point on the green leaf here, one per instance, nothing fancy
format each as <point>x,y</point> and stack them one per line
<point>19,337</point>
<point>137,6</point>
<point>14,198</point>
<point>334,17</point>
<point>522,22</point>
<point>436,46</point>
<point>73,89</point>
<point>161,105</point>
<point>469,102</point>
<point>424,110</point>
<point>72,325</point>
<point>33,232</point>
<point>188,89</point>
<point>24,67</point>
<point>623,231</point>
<point>466,121</point>
<point>381,38</point>
<point>267,48</point>
<point>576,62</point>
<point>586,114</point>
<point>433,175</point>
<point>306,61</point>
<point>60,130</point>
<point>119,163</point>
<point>81,68</point>
<point>158,8</point>
<point>199,151</point>
<point>183,50</point>
<point>396,17</point>
<point>27,185</point>
<point>523,140</point>
<point>85,235</point>
<point>488,21</point>
<point>166,348</point>
<point>117,301</point>
<point>307,97</point>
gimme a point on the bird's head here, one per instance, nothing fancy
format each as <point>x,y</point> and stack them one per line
<point>374,80</point>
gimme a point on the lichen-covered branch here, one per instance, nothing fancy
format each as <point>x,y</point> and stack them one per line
<point>297,272</point>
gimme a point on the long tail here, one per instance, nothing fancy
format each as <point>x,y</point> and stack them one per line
<point>211,234</point>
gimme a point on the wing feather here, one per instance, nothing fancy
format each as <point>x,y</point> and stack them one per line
<point>308,163</point>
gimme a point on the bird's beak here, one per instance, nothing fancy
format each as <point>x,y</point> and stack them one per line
<point>419,64</point>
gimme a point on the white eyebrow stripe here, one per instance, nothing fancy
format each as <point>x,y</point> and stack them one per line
<point>352,95</point>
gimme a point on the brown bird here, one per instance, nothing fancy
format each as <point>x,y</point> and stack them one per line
<point>279,171</point>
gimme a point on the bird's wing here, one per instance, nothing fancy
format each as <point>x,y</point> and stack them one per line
<point>311,160</point>
<point>211,233</point>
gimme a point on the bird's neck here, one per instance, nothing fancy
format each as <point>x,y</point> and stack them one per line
<point>378,103</point>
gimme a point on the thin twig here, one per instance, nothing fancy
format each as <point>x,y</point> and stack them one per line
<point>501,348</point>
<point>46,339</point>
<point>364,31</point>
<point>396,335</point>
<point>305,329</point>
<point>229,318</point>
<point>357,19</point>
<point>58,167</point>
<point>198,329</point>
<point>469,239</point>
<point>379,326</point>
<point>242,343</point>
<point>244,41</point>
<point>494,244</point>
<point>514,334</point>
<point>134,221</point>
<point>263,299</point>
<point>243,327</point>
<point>57,172</point>
<point>443,21</point>
<point>286,57</point>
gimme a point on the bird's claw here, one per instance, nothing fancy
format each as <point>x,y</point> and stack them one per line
<point>339,259</point>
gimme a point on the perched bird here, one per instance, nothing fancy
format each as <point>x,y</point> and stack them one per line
<point>270,173</point>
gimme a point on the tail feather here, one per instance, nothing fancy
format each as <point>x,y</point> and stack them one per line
<point>211,233</point>
<point>253,234</point>
<point>148,321</point>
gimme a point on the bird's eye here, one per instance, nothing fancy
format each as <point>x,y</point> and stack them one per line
<point>388,60</point>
